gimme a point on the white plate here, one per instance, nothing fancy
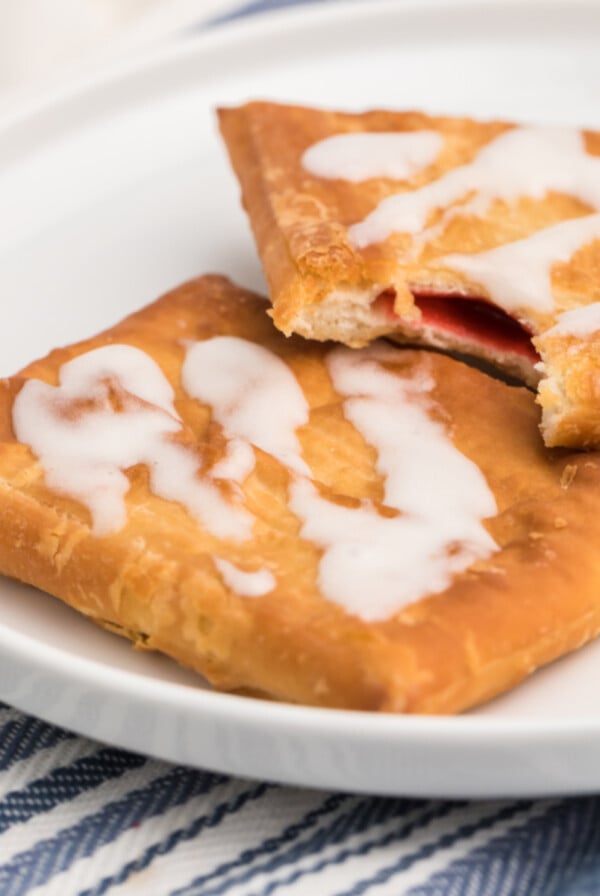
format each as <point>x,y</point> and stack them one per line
<point>119,189</point>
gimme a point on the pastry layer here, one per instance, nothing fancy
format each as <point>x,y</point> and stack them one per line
<point>377,529</point>
<point>357,217</point>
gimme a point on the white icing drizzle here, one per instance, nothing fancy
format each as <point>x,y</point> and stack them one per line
<point>518,275</point>
<point>254,396</point>
<point>360,156</point>
<point>372,565</point>
<point>237,463</point>
<point>84,444</point>
<point>520,162</point>
<point>242,582</point>
<point>578,322</point>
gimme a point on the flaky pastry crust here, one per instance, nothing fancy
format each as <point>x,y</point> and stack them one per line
<point>155,580</point>
<point>323,286</point>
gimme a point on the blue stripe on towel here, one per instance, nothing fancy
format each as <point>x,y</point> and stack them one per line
<point>63,784</point>
<point>268,846</point>
<point>538,858</point>
<point>258,6</point>
<point>427,850</point>
<point>365,814</point>
<point>212,820</point>
<point>21,738</point>
<point>50,856</point>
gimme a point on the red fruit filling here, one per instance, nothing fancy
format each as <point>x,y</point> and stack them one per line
<point>472,319</point>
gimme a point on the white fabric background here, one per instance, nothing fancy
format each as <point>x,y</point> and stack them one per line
<point>42,37</point>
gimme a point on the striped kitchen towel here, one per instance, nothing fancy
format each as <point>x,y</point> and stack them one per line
<point>77,817</point>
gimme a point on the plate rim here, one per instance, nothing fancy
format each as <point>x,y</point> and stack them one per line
<point>454,727</point>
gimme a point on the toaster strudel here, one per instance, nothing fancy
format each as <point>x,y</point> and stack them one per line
<point>377,529</point>
<point>479,237</point>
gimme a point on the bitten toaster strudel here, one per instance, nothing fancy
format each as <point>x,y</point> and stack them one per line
<point>378,529</point>
<point>479,237</point>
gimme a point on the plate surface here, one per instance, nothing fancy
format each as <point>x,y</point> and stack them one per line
<point>118,189</point>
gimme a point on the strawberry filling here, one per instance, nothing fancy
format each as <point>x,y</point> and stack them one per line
<point>471,319</point>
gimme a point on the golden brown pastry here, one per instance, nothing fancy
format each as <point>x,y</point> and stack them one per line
<point>379,529</point>
<point>466,235</point>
